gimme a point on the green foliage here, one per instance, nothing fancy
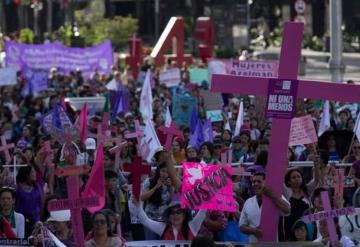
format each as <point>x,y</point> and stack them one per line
<point>26,36</point>
<point>224,53</point>
<point>93,28</point>
<point>313,42</point>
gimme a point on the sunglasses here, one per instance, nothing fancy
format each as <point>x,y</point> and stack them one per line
<point>99,222</point>
<point>178,212</point>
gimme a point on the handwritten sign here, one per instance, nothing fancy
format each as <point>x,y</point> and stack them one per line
<point>56,205</point>
<point>281,98</point>
<point>198,76</point>
<point>182,108</point>
<point>207,186</point>
<point>8,76</point>
<point>328,214</point>
<point>302,131</point>
<point>170,77</point>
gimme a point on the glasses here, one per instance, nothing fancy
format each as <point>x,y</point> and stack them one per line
<point>178,212</point>
<point>99,222</point>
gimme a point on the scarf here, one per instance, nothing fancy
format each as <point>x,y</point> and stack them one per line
<point>11,218</point>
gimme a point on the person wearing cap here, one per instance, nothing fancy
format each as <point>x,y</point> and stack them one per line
<point>90,147</point>
<point>7,203</point>
<point>178,223</point>
<point>60,220</point>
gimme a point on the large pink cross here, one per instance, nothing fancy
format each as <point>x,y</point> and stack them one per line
<point>170,132</point>
<point>101,135</point>
<point>138,134</point>
<point>137,169</point>
<point>47,153</point>
<point>328,214</point>
<point>5,147</point>
<point>288,69</point>
<point>226,159</point>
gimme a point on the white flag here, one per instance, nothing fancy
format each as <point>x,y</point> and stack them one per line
<point>168,119</point>
<point>146,98</point>
<point>112,85</point>
<point>357,127</point>
<point>150,142</point>
<point>325,118</point>
<point>240,119</point>
<point>49,239</point>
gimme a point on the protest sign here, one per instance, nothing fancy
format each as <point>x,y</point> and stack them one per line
<point>302,131</point>
<point>212,101</point>
<point>8,76</point>
<point>182,108</point>
<point>56,55</point>
<point>206,186</point>
<point>170,77</point>
<point>281,98</point>
<point>199,75</point>
<point>93,102</point>
<point>214,115</point>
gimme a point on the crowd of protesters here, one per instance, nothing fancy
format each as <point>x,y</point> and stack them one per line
<point>158,215</point>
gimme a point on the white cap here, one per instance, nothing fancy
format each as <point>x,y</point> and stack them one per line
<point>60,216</point>
<point>90,144</point>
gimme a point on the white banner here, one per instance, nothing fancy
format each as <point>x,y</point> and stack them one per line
<point>170,78</point>
<point>7,76</point>
<point>150,142</point>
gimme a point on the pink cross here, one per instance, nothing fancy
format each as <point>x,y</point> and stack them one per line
<point>138,134</point>
<point>48,154</point>
<point>339,183</point>
<point>75,204</point>
<point>288,69</point>
<point>328,214</point>
<point>100,135</point>
<point>226,159</point>
<point>170,132</point>
<point>119,145</point>
<point>5,148</point>
<point>137,169</point>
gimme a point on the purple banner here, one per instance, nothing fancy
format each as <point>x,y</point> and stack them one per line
<point>281,100</point>
<point>65,59</point>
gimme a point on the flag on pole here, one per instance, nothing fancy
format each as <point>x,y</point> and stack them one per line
<point>146,98</point>
<point>193,120</point>
<point>240,119</point>
<point>325,118</point>
<point>49,239</point>
<point>197,137</point>
<point>95,186</point>
<point>168,118</point>
<point>357,127</point>
<point>208,131</point>
<point>150,142</point>
<point>83,123</point>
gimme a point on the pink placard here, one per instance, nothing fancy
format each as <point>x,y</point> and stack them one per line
<point>206,186</point>
<point>302,131</point>
<point>73,203</point>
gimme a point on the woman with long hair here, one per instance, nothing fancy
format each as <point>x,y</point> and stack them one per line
<point>178,224</point>
<point>102,234</point>
<point>157,194</point>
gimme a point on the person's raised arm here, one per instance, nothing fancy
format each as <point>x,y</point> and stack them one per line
<point>155,226</point>
<point>280,202</point>
<point>196,223</point>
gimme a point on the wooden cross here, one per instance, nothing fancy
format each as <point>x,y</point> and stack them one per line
<point>14,166</point>
<point>170,132</point>
<point>101,136</point>
<point>226,159</point>
<point>288,69</point>
<point>5,147</point>
<point>137,169</point>
<point>138,134</point>
<point>119,145</point>
<point>339,183</point>
<point>328,214</point>
<point>75,204</point>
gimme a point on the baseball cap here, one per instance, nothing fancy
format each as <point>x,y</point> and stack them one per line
<point>59,216</point>
<point>90,144</point>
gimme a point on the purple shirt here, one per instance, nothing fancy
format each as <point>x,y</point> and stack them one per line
<point>29,203</point>
<point>356,167</point>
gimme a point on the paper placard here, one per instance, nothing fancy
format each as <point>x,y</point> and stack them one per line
<point>73,203</point>
<point>207,186</point>
<point>182,109</point>
<point>78,102</point>
<point>170,78</point>
<point>215,115</point>
<point>8,76</point>
<point>212,101</point>
<point>302,131</point>
<point>199,75</point>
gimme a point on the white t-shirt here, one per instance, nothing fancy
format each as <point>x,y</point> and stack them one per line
<point>345,241</point>
<point>250,215</point>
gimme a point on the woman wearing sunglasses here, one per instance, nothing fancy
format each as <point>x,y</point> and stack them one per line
<point>178,224</point>
<point>102,234</point>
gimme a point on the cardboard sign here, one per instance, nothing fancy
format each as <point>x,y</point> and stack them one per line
<point>77,103</point>
<point>212,101</point>
<point>8,76</point>
<point>199,75</point>
<point>170,78</point>
<point>72,170</point>
<point>206,186</point>
<point>302,131</point>
<point>215,115</point>
<point>5,242</point>
<point>281,98</point>
<point>182,107</point>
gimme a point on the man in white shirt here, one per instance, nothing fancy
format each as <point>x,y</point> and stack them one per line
<point>250,215</point>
